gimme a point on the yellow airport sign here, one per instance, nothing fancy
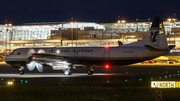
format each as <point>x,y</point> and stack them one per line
<point>165,84</point>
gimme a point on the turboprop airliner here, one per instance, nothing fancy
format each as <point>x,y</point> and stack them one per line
<point>154,44</point>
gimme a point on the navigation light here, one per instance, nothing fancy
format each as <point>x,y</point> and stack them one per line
<point>33,57</point>
<point>106,46</point>
<point>107,66</point>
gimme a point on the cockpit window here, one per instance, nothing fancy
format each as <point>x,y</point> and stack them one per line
<point>18,53</point>
<point>12,53</point>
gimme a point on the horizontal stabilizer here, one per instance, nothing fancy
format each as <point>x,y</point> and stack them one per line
<point>171,46</point>
<point>150,48</point>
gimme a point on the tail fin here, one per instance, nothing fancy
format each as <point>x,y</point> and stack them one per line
<point>156,36</point>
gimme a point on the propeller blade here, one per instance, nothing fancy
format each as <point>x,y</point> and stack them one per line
<point>31,65</point>
<point>39,67</point>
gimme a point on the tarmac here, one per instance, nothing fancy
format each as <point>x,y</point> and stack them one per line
<point>131,73</point>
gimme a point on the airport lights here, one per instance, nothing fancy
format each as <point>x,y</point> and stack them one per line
<point>10,83</point>
<point>169,28</point>
<point>171,20</point>
<point>72,23</point>
<point>118,28</point>
<point>76,32</point>
<point>123,21</point>
<point>8,25</point>
<point>174,33</point>
<point>72,32</point>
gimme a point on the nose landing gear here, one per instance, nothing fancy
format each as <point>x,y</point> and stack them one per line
<point>90,71</point>
<point>21,72</point>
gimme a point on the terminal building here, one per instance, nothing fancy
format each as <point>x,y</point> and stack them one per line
<point>81,34</point>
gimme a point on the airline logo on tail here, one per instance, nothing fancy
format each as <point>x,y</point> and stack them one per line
<point>161,25</point>
<point>162,30</point>
<point>153,36</point>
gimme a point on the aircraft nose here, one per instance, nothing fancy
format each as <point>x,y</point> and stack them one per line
<point>6,59</point>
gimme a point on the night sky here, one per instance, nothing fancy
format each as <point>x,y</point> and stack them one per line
<point>28,11</point>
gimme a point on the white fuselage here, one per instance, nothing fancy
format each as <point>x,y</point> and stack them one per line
<point>95,54</point>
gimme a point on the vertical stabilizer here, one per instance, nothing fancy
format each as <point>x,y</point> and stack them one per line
<point>156,36</point>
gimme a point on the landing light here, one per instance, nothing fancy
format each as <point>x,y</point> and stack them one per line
<point>57,51</point>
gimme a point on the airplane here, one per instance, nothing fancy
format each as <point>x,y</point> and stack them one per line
<point>153,45</point>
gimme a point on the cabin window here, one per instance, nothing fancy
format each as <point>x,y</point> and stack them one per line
<point>18,53</point>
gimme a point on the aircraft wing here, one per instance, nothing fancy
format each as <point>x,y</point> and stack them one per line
<point>50,58</point>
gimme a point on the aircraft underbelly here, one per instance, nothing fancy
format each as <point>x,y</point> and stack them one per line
<point>111,62</point>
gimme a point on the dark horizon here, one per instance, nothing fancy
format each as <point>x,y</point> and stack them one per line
<point>102,11</point>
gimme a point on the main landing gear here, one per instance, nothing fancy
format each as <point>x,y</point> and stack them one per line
<point>67,72</point>
<point>21,72</point>
<point>90,71</point>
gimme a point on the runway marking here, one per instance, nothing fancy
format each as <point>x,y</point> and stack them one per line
<point>40,75</point>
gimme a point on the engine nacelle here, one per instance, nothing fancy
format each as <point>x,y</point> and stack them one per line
<point>60,67</point>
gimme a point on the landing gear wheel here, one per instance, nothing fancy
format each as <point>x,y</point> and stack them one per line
<point>90,71</point>
<point>67,72</point>
<point>21,72</point>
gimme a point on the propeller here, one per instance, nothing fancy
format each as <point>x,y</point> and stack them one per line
<point>31,66</point>
<point>39,67</point>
